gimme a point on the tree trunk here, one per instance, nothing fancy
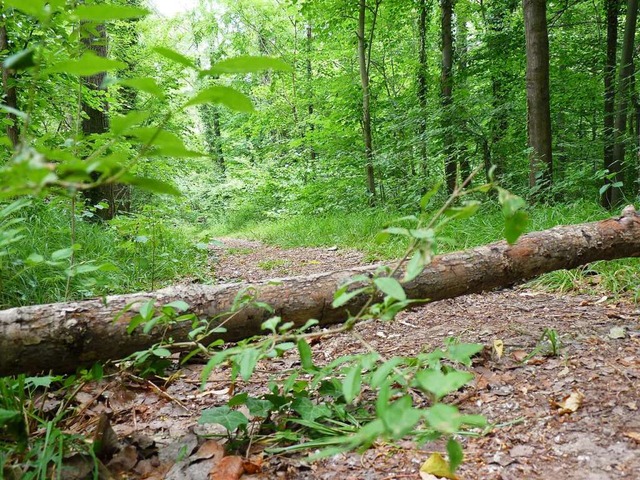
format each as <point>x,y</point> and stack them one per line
<point>311,125</point>
<point>10,95</point>
<point>612,10</point>
<point>65,335</point>
<point>363,54</point>
<point>422,86</point>
<point>96,121</point>
<point>538,105</point>
<point>446,82</point>
<point>625,74</point>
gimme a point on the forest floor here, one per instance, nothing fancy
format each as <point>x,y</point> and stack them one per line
<point>598,362</point>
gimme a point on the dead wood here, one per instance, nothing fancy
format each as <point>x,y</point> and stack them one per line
<point>62,336</point>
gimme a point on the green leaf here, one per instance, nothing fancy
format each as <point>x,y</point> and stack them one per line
<point>306,358</point>
<point>462,352</point>
<point>444,418</point>
<point>18,113</point>
<point>466,211</point>
<point>414,267</point>
<point>515,225</point>
<point>178,305</point>
<point>88,64</point>
<point>441,384</point>
<point>12,421</point>
<point>247,64</point>
<point>271,324</point>
<point>166,143</point>
<point>424,201</point>
<point>36,8</point>
<point>146,310</point>
<point>258,407</point>
<point>401,417</point>
<point>352,383</point>
<point>84,268</point>
<point>229,419</point>
<point>227,96</point>
<point>247,361</point>
<point>20,61</point>
<point>34,259</point>
<point>175,57</point>
<point>341,298</point>
<point>152,185</point>
<point>161,352</point>
<point>62,254</point>
<point>144,84</point>
<point>103,13</point>
<point>121,123</point>
<point>384,371</point>
<point>390,286</point>
<point>309,410</point>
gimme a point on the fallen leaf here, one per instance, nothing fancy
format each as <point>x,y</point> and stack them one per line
<point>602,300</point>
<point>498,347</point>
<point>229,468</point>
<point>633,436</point>
<point>519,355</point>
<point>617,332</point>
<point>570,403</point>
<point>251,468</point>
<point>124,460</point>
<point>209,449</point>
<point>436,466</point>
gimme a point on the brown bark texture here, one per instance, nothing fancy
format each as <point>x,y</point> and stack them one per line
<point>624,87</point>
<point>446,82</point>
<point>64,336</point>
<point>538,103</point>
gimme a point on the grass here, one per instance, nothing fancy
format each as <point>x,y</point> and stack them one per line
<point>358,230</point>
<point>131,253</point>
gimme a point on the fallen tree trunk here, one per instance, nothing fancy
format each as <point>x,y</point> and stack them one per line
<point>63,336</point>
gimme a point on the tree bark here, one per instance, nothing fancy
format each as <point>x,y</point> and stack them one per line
<point>96,121</point>
<point>423,8</point>
<point>612,8</point>
<point>65,335</point>
<point>625,74</point>
<point>446,82</point>
<point>311,124</point>
<point>363,54</point>
<point>538,104</point>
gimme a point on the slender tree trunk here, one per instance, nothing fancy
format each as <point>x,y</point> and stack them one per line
<point>363,50</point>
<point>422,85</point>
<point>450,166</point>
<point>538,104</point>
<point>10,94</point>
<point>612,10</point>
<point>96,121</point>
<point>311,125</point>
<point>624,81</point>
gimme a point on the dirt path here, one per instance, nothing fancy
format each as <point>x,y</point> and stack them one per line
<point>601,440</point>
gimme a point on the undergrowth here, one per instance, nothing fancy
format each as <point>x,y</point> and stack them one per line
<point>134,252</point>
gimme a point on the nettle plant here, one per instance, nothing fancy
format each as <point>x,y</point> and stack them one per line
<point>357,399</point>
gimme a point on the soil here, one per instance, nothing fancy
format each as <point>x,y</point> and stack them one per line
<point>597,364</point>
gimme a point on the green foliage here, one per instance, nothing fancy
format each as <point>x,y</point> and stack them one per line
<point>34,442</point>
